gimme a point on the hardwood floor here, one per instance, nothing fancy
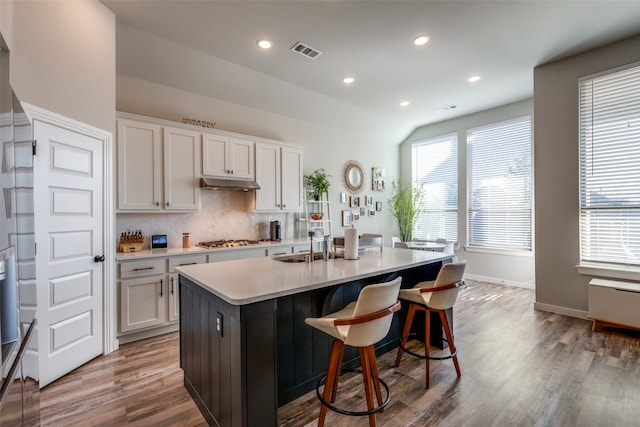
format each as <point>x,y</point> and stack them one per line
<point>520,367</point>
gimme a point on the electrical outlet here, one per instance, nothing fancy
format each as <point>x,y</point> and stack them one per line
<point>219,323</point>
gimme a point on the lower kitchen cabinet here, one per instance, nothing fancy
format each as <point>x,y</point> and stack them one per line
<point>149,295</point>
<point>142,303</point>
<point>174,298</point>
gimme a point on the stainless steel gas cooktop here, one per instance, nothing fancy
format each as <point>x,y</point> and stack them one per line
<point>227,243</point>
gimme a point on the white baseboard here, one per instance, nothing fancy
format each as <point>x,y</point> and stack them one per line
<point>572,312</point>
<point>148,333</point>
<point>498,281</point>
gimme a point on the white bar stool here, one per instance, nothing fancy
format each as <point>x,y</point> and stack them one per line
<point>437,296</point>
<point>360,324</point>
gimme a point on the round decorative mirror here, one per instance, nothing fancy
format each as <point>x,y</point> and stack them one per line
<point>353,176</point>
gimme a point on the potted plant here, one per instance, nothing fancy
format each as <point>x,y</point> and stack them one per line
<point>318,182</point>
<point>405,205</point>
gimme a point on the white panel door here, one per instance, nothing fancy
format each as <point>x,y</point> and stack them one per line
<point>68,192</point>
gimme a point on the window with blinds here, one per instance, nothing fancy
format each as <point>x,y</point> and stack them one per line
<point>435,168</point>
<point>610,167</point>
<point>499,185</point>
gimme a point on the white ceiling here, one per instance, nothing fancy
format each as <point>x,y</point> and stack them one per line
<point>502,41</point>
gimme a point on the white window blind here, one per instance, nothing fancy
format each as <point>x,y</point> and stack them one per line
<point>610,168</point>
<point>499,183</point>
<point>435,168</point>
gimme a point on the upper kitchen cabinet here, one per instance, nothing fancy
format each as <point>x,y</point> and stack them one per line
<point>181,170</point>
<point>227,157</point>
<point>158,167</point>
<point>279,174</point>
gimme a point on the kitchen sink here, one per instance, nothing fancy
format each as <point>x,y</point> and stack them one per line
<point>302,257</point>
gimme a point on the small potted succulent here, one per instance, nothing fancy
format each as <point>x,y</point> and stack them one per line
<point>318,183</point>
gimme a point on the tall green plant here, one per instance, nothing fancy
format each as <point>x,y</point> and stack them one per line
<point>406,204</point>
<point>318,182</point>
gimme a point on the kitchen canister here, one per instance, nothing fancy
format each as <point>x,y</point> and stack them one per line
<point>351,243</point>
<point>186,240</point>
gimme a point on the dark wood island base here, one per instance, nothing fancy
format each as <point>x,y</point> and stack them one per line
<point>241,362</point>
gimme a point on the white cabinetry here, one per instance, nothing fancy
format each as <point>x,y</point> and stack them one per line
<point>279,174</point>
<point>149,294</point>
<point>158,167</point>
<point>614,303</point>
<point>227,157</point>
<point>142,299</point>
<point>139,166</point>
<point>181,169</point>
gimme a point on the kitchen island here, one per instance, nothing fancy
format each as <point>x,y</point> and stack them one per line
<point>244,347</point>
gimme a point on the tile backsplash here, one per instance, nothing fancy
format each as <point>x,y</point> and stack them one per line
<point>222,215</point>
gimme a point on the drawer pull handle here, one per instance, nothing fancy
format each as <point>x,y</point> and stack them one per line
<point>144,268</point>
<point>187,263</point>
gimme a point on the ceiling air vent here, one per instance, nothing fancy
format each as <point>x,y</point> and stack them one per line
<point>306,50</point>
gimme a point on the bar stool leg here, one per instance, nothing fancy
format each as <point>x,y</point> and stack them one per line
<point>374,374</point>
<point>366,377</point>
<point>333,372</point>
<point>452,347</point>
<point>334,391</point>
<point>405,332</point>
<point>427,342</point>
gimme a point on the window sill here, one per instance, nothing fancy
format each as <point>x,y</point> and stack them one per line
<point>609,270</point>
<point>498,251</point>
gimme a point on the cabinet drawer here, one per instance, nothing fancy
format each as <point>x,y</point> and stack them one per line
<point>252,253</point>
<point>142,268</point>
<point>279,250</point>
<point>185,260</point>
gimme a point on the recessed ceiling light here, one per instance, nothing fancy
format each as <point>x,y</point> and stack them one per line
<point>404,103</point>
<point>348,80</point>
<point>265,44</point>
<point>473,79</point>
<point>421,40</point>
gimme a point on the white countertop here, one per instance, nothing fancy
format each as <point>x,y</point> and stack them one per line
<point>246,281</point>
<point>154,253</point>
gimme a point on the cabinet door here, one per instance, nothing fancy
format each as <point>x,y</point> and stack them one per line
<point>268,177</point>
<point>292,187</point>
<point>241,158</point>
<point>181,170</point>
<point>215,155</point>
<point>174,298</point>
<point>142,303</point>
<point>139,166</point>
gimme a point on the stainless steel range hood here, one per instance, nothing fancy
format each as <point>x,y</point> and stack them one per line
<point>228,184</point>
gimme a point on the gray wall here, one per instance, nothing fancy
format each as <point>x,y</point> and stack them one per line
<point>495,266</point>
<point>559,286</point>
<point>63,57</point>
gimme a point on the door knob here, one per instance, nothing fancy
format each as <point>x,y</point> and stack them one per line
<point>98,258</point>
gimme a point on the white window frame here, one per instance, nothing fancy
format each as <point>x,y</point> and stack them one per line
<point>443,151</point>
<point>601,126</point>
<point>503,199</point>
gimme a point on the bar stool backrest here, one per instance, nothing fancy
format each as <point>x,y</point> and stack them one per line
<point>371,299</point>
<point>449,273</point>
